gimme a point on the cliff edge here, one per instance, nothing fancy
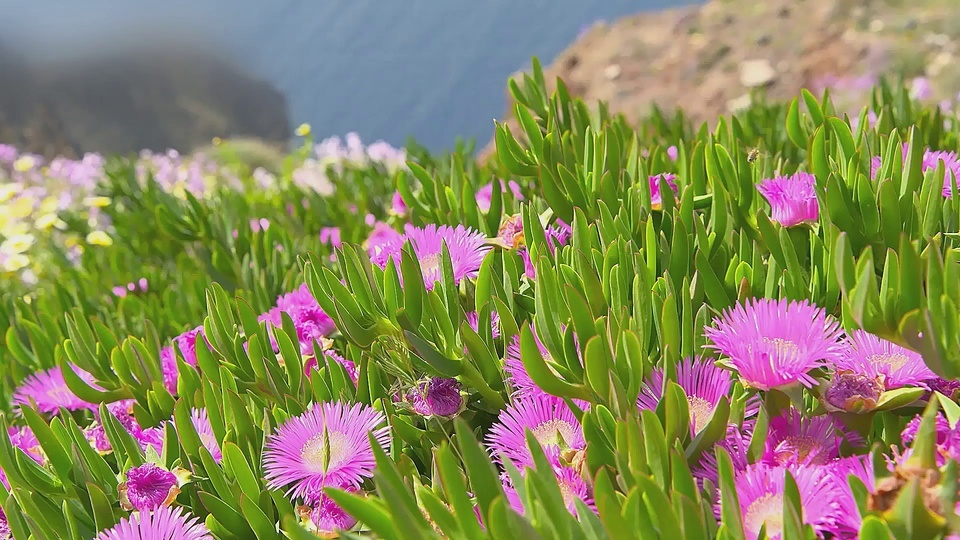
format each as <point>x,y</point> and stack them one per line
<point>707,58</point>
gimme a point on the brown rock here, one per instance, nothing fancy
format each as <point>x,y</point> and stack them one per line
<point>689,57</point>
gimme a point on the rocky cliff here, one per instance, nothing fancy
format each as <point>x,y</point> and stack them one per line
<point>707,58</point>
<point>151,97</point>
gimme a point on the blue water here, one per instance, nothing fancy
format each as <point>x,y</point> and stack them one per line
<point>387,69</point>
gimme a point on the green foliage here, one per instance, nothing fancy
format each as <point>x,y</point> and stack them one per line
<point>632,290</point>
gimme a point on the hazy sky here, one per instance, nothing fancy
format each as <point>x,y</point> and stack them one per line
<point>388,69</point>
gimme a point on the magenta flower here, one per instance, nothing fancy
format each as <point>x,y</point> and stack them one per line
<point>510,234</point>
<point>673,153</point>
<point>549,419</point>
<point>572,488</point>
<point>793,439</point>
<point>931,160</point>
<point>5,531</point>
<point>516,373</point>
<point>872,357</point>
<point>309,319</point>
<point>946,435</point>
<point>164,523</point>
<point>24,439</point>
<point>49,390</point>
<point>948,440</point>
<point>949,388</point>
<point>703,382</point>
<point>556,236</point>
<point>381,235</point>
<point>485,194</point>
<point>327,446</point>
<point>853,392</point>
<point>313,364</point>
<point>737,445</point>
<point>187,343</point>
<point>849,518</point>
<point>467,249</point>
<point>330,235</point>
<point>656,197</point>
<point>437,397</point>
<point>201,423</point>
<point>473,319</point>
<point>397,206</point>
<point>148,487</point>
<point>329,518</point>
<point>793,199</point>
<point>774,343</point>
<point>760,489</point>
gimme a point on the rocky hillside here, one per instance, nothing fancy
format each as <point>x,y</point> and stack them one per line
<point>154,98</point>
<point>707,58</point>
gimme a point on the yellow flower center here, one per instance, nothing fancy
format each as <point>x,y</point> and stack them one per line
<point>325,451</point>
<point>430,264</point>
<point>768,510</point>
<point>700,412</point>
<point>554,433</point>
<point>783,347</point>
<point>894,360</point>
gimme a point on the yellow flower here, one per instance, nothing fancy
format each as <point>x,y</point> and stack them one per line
<point>17,244</point>
<point>49,220</point>
<point>8,190</point>
<point>24,163</point>
<point>99,238</point>
<point>303,130</point>
<point>16,262</point>
<point>21,207</point>
<point>99,202</point>
<point>217,141</point>
<point>50,205</point>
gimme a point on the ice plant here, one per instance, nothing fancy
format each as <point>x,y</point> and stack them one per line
<point>50,392</point>
<point>775,343</point>
<point>485,194</point>
<point>327,446</point>
<point>849,391</point>
<point>871,356</point>
<point>656,197</point>
<point>860,467</point>
<point>466,246</point>
<point>572,488</point>
<point>201,423</point>
<point>793,199</point>
<point>549,419</point>
<point>760,490</point>
<point>736,443</point>
<point>516,373</point>
<point>795,439</point>
<point>148,487</point>
<point>437,397</point>
<point>164,523</point>
<point>704,384</point>
<point>325,517</point>
<point>312,364</point>
<point>473,319</point>
<point>309,319</point>
<point>931,160</point>
<point>556,236</point>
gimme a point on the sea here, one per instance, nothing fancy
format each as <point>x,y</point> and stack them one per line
<point>434,70</point>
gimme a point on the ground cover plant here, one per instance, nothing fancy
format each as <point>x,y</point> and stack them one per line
<point>608,331</point>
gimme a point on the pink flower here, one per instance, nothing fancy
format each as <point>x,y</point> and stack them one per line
<point>793,199</point>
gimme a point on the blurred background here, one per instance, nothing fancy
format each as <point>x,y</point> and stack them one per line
<point>104,75</point>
